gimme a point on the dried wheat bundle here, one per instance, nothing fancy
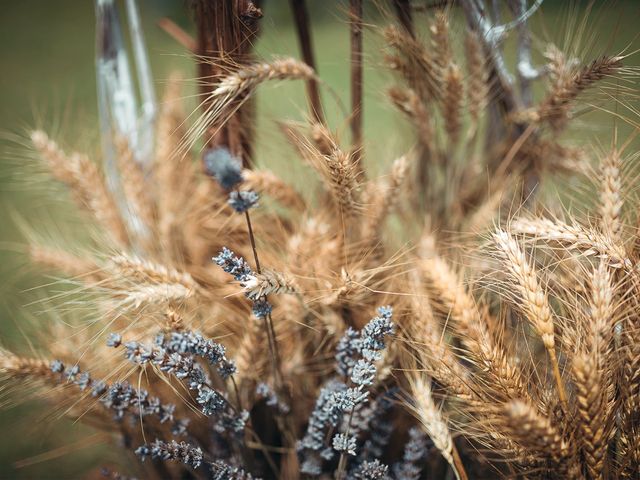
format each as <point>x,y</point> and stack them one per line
<point>400,326</point>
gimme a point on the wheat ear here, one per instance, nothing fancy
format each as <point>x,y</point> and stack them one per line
<point>478,80</point>
<point>85,182</point>
<point>248,77</point>
<point>138,269</point>
<point>611,196</point>
<point>534,431</point>
<point>383,196</point>
<point>573,236</point>
<point>434,424</point>
<point>452,98</point>
<point>409,103</point>
<point>471,326</point>
<point>535,303</point>
<point>554,107</point>
<point>71,265</point>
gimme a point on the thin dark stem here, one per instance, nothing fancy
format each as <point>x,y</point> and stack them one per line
<point>355,25</point>
<point>268,321</point>
<point>253,241</point>
<point>237,393</point>
<point>403,12</point>
<point>303,29</point>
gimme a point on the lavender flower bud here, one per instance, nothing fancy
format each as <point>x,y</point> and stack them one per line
<point>243,201</point>
<point>211,401</point>
<point>374,470</point>
<point>57,366</point>
<point>224,167</point>
<point>363,373</point>
<point>223,471</point>
<point>114,340</point>
<point>174,451</point>
<point>344,443</point>
<point>262,308</point>
<point>233,265</point>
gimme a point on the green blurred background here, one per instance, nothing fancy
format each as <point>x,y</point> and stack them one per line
<point>48,81</point>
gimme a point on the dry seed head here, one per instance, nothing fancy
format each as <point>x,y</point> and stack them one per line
<point>592,411</point>
<point>408,102</point>
<point>161,293</point>
<point>16,367</point>
<point>137,269</point>
<point>533,430</point>
<point>431,418</point>
<point>341,174</point>
<point>611,195</point>
<point>554,108</point>
<point>267,282</point>
<point>588,241</point>
<point>247,78</point>
<point>535,302</point>
<point>440,43</point>
<point>478,80</point>
<point>452,102</point>
<point>86,183</point>
<point>383,196</point>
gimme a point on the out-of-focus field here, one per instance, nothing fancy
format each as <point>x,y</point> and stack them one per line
<point>48,81</point>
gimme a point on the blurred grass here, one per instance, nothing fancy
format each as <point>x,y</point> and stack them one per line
<point>48,81</point>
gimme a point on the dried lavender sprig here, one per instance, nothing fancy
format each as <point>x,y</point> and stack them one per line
<point>242,272</point>
<point>264,390</point>
<point>173,451</point>
<point>196,344</point>
<point>121,398</point>
<point>412,463</point>
<point>184,367</point>
<point>372,342</point>
<point>355,355</point>
<point>371,470</point>
<point>321,419</point>
<point>223,471</point>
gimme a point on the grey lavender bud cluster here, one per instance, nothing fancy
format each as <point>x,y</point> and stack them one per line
<point>227,170</point>
<point>176,354</point>
<point>415,451</point>
<point>121,398</point>
<point>355,357</point>
<point>264,390</point>
<point>223,471</point>
<point>242,272</point>
<point>174,451</point>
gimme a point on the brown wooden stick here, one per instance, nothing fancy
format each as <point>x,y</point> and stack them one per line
<point>226,33</point>
<point>355,25</point>
<point>303,29</point>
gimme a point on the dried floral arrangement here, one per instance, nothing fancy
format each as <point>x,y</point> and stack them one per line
<point>240,330</point>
